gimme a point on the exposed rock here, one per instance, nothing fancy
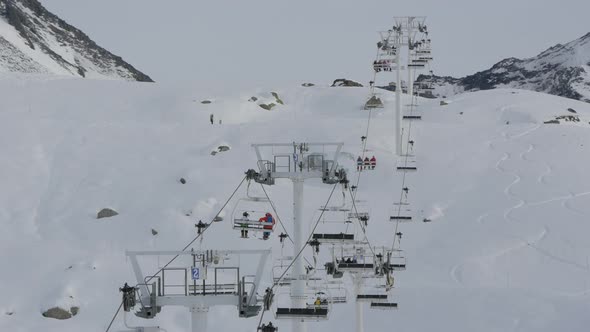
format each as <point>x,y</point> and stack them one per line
<point>154,232</point>
<point>443,103</point>
<point>567,118</point>
<point>307,85</point>
<point>223,148</point>
<point>345,82</point>
<point>253,99</point>
<point>373,102</point>
<point>106,213</point>
<point>68,50</point>
<point>276,95</point>
<point>267,107</point>
<point>551,122</point>
<point>182,180</point>
<point>60,313</point>
<point>218,218</point>
<point>9,313</point>
<point>213,152</point>
<point>206,102</point>
<point>571,110</point>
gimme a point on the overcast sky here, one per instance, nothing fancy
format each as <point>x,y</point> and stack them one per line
<point>270,41</point>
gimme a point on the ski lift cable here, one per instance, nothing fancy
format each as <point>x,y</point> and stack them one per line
<point>362,227</point>
<point>404,174</point>
<point>115,316</point>
<point>276,283</point>
<point>358,179</point>
<point>272,205</point>
<point>185,247</point>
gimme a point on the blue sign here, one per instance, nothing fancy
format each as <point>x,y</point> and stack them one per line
<point>196,273</point>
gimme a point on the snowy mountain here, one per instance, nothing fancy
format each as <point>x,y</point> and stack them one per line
<point>507,195</point>
<point>35,41</point>
<point>562,70</point>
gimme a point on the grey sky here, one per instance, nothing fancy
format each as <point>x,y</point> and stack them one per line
<point>278,41</point>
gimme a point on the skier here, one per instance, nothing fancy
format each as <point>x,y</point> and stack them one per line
<point>244,231</point>
<point>359,163</point>
<point>267,219</point>
<point>367,163</point>
<point>318,302</point>
<point>376,66</point>
<point>211,118</point>
<point>373,162</point>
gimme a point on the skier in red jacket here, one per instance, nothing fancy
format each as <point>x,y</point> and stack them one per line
<point>373,162</point>
<point>268,218</point>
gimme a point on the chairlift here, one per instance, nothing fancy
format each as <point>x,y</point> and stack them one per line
<point>371,297</point>
<point>397,261</point>
<point>321,301</point>
<point>412,117</point>
<point>278,270</point>
<point>333,238</point>
<point>316,308</point>
<point>407,168</point>
<point>302,313</point>
<point>359,211</point>
<point>268,328</point>
<point>247,215</point>
<point>400,218</point>
<point>246,223</point>
<point>383,305</point>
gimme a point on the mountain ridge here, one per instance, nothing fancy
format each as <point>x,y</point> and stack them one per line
<point>561,70</point>
<point>35,40</point>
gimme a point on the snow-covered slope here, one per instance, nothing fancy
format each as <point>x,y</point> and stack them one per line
<point>33,40</point>
<point>562,70</point>
<point>506,250</point>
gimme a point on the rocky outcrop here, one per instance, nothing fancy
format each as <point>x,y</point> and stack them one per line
<point>106,213</point>
<point>60,313</point>
<point>345,82</point>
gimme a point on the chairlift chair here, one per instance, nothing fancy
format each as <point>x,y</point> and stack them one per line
<point>311,312</point>
<point>371,297</point>
<point>384,305</point>
<point>398,260</point>
<point>399,218</point>
<point>412,117</point>
<point>247,212</point>
<point>245,223</point>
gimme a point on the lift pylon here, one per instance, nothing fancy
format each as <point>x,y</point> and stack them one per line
<point>199,280</point>
<point>298,162</point>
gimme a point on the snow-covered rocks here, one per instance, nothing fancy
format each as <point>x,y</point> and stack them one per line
<point>60,313</point>
<point>106,213</point>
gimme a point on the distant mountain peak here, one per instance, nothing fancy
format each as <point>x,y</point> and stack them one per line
<point>562,70</point>
<point>34,40</point>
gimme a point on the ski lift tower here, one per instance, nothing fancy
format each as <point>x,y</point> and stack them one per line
<point>199,280</point>
<point>405,30</point>
<point>298,162</point>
